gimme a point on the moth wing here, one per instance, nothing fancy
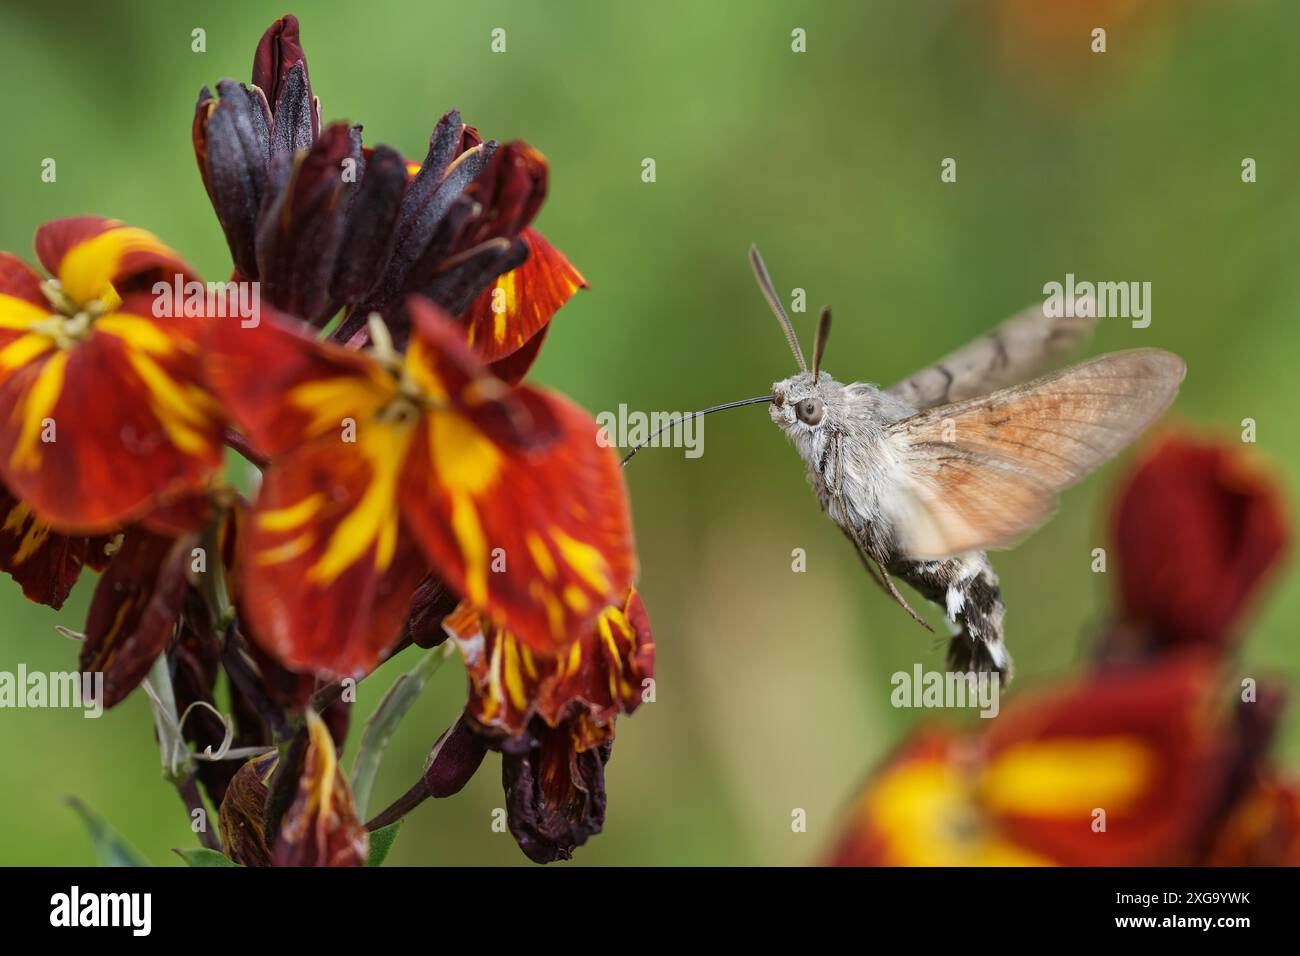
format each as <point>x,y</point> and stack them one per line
<point>1018,348</point>
<point>984,472</point>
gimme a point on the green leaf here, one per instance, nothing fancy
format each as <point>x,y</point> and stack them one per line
<point>202,856</point>
<point>383,722</point>
<point>381,841</point>
<point>110,846</point>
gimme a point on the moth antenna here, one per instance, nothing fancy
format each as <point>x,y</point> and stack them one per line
<point>681,418</point>
<point>819,346</point>
<point>769,293</point>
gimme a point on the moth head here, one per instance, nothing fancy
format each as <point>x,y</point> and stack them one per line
<point>801,402</point>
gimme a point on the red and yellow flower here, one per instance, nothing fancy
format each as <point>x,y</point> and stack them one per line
<point>105,415</point>
<point>1120,770</point>
<point>383,467</point>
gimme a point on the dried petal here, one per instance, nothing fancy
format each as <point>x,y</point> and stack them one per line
<point>242,814</point>
<point>135,609</point>
<point>555,795</point>
<point>321,827</point>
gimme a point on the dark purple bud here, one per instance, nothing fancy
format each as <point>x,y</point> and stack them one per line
<point>461,280</point>
<point>232,146</point>
<point>302,227</point>
<point>370,232</point>
<point>455,757</point>
<point>295,125</point>
<point>279,50</point>
<point>427,199</point>
<point>432,601</point>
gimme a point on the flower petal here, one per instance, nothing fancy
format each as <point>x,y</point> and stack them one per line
<point>282,388</point>
<point>328,569</point>
<point>1141,745</point>
<point>520,303</point>
<point>540,539</point>
<point>99,432</point>
<point>1121,769</point>
<point>599,676</point>
<point>96,258</point>
<point>45,563</point>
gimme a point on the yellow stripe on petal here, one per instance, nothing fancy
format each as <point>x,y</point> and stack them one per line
<point>373,521</point>
<point>513,679</point>
<point>420,366</point>
<point>22,350</point>
<point>331,400</point>
<point>467,528</point>
<point>89,267</point>
<point>16,313</point>
<point>466,460</point>
<point>35,535</point>
<point>507,296</point>
<point>292,517</point>
<point>291,549</point>
<point>1065,778</point>
<point>492,701</point>
<point>40,401</point>
<point>182,409</point>
<point>137,333</point>
<point>541,555</point>
<point>587,562</point>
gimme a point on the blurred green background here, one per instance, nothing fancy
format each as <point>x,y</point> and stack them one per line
<point>772,686</point>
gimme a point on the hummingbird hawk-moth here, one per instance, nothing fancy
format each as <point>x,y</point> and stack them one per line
<point>926,476</point>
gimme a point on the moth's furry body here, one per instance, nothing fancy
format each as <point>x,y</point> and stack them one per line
<point>856,476</point>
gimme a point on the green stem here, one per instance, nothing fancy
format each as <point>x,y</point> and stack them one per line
<point>165,722</point>
<point>383,722</point>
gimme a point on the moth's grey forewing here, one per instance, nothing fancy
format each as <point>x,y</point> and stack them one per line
<point>981,473</point>
<point>1017,349</point>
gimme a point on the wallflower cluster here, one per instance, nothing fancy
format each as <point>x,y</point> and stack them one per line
<point>407,475</point>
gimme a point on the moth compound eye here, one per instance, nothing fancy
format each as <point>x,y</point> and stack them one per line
<point>809,411</point>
